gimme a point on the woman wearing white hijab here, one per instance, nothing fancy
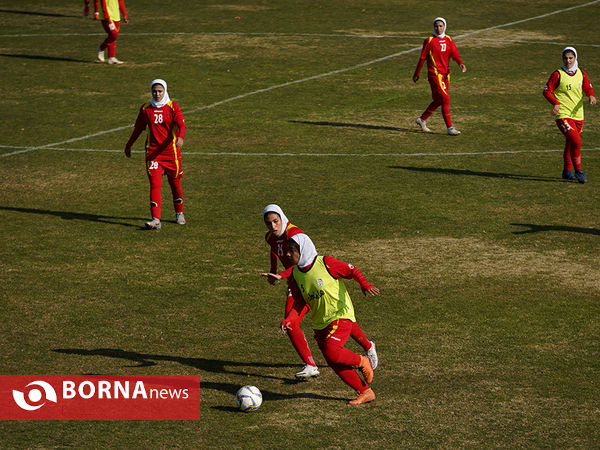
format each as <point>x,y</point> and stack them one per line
<point>166,131</point>
<point>280,230</point>
<point>319,280</point>
<point>565,90</point>
<point>437,51</point>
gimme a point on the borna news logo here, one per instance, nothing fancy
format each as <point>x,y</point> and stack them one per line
<point>96,397</point>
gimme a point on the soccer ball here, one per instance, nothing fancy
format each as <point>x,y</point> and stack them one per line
<point>248,398</point>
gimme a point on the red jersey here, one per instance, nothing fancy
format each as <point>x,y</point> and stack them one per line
<point>165,124</point>
<point>279,247</point>
<point>552,84</point>
<point>438,51</point>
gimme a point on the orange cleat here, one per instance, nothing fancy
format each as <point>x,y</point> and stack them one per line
<point>366,369</point>
<point>364,397</point>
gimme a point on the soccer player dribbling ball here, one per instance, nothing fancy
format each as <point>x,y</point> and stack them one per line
<point>437,51</point>
<point>111,22</point>
<point>319,279</point>
<point>280,231</point>
<point>565,90</point>
<point>166,131</point>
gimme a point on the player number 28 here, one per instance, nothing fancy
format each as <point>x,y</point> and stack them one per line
<point>158,118</point>
<point>153,165</point>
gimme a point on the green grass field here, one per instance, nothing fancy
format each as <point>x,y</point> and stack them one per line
<point>488,322</point>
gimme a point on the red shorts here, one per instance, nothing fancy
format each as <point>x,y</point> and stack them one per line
<point>172,168</point>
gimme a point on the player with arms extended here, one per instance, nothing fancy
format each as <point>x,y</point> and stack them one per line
<point>166,131</point>
<point>319,280</point>
<point>111,22</point>
<point>437,50</point>
<point>565,90</point>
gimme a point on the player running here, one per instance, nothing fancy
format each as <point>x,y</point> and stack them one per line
<point>280,231</point>
<point>166,131</point>
<point>111,22</point>
<point>437,50</point>
<point>565,90</point>
<point>318,279</point>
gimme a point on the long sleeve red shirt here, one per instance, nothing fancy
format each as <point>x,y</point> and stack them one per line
<point>437,52</point>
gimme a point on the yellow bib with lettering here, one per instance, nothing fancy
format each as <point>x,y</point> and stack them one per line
<point>326,296</point>
<point>569,93</point>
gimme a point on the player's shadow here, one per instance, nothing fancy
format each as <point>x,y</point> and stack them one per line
<point>354,125</point>
<point>69,215</point>
<point>208,365</point>
<point>45,58</point>
<point>34,13</point>
<point>217,366</point>
<point>532,228</point>
<point>474,173</point>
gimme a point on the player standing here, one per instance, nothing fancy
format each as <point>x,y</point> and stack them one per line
<point>318,278</point>
<point>166,131</point>
<point>565,90</point>
<point>437,51</point>
<point>111,22</point>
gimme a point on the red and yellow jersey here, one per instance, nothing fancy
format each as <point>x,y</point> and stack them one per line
<point>111,9</point>
<point>279,247</point>
<point>165,124</point>
<point>437,52</point>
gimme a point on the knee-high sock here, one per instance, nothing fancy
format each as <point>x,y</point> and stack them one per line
<point>155,197</point>
<point>296,334</point>
<point>359,336</point>
<point>177,192</point>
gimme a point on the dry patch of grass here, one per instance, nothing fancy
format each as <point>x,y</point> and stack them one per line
<point>506,38</point>
<point>442,259</point>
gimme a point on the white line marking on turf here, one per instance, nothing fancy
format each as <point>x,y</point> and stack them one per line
<point>314,77</point>
<point>251,154</point>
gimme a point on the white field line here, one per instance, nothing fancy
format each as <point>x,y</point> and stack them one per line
<point>302,80</point>
<point>271,155</point>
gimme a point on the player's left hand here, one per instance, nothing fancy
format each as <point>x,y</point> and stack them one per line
<point>126,19</point>
<point>463,68</point>
<point>371,291</point>
<point>592,100</point>
<point>179,142</point>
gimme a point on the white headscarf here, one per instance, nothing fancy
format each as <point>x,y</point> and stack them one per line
<point>308,252</point>
<point>575,65</point>
<point>273,208</point>
<point>165,99</point>
<point>443,35</point>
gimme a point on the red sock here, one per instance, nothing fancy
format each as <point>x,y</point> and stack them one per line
<point>359,336</point>
<point>301,345</point>
<point>155,197</point>
<point>177,192</point>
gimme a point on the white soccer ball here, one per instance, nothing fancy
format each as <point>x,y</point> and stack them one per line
<point>248,398</point>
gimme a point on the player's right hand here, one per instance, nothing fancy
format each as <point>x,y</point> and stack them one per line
<point>271,277</point>
<point>285,326</point>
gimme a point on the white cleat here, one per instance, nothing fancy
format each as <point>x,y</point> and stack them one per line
<point>423,124</point>
<point>114,60</point>
<point>100,55</point>
<point>179,218</point>
<point>154,224</point>
<point>308,372</point>
<point>453,131</point>
<point>372,356</point>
